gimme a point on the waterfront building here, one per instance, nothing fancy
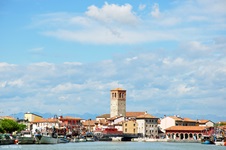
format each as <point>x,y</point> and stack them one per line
<point>43,125</point>
<point>185,132</point>
<point>118,102</point>
<point>31,117</point>
<point>71,124</point>
<point>129,115</point>
<point>130,127</point>
<point>89,125</point>
<point>170,121</point>
<point>147,125</point>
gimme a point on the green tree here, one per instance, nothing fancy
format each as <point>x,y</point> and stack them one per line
<point>9,125</point>
<point>1,129</point>
<point>21,127</point>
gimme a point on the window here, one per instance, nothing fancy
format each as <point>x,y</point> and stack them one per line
<point>125,129</point>
<point>134,124</point>
<point>126,124</point>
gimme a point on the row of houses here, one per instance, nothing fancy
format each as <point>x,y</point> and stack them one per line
<point>141,123</point>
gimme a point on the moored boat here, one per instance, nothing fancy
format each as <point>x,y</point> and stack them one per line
<point>220,141</point>
<point>89,137</point>
<point>6,139</point>
<point>25,137</point>
<point>62,140</point>
<point>206,139</point>
<point>48,139</point>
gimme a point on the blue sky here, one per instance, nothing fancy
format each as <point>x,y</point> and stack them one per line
<point>68,55</point>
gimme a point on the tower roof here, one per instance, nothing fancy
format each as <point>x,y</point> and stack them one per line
<point>118,89</point>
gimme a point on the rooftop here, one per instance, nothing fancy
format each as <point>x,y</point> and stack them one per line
<point>118,89</point>
<point>49,120</point>
<point>186,128</point>
<point>70,118</point>
<point>146,116</point>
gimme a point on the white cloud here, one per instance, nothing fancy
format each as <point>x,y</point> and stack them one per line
<point>120,24</point>
<point>112,13</point>
<point>155,11</point>
<point>153,79</point>
<point>73,63</point>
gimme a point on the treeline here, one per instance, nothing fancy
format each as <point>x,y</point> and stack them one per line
<point>9,126</point>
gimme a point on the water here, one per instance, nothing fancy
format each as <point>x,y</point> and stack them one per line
<point>117,146</point>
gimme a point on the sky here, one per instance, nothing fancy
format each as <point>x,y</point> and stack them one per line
<point>65,56</point>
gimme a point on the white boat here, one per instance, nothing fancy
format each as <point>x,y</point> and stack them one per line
<point>25,138</point>
<point>82,139</point>
<point>220,141</point>
<point>49,139</point>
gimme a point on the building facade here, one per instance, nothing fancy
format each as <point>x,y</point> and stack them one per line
<point>31,117</point>
<point>170,121</point>
<point>130,127</point>
<point>147,125</point>
<point>118,102</point>
<point>185,132</point>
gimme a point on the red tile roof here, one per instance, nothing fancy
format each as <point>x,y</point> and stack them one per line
<point>49,120</point>
<point>146,116</point>
<point>182,119</point>
<point>185,128</point>
<point>70,118</point>
<point>104,116</point>
<point>89,123</point>
<point>203,121</point>
<point>134,114</point>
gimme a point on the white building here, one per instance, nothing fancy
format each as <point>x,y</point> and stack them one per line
<point>206,123</point>
<point>170,121</point>
<point>147,125</point>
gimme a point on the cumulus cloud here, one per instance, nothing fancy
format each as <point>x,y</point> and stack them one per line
<point>190,74</point>
<point>120,24</point>
<point>112,13</point>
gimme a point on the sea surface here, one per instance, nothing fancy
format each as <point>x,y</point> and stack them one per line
<point>117,146</point>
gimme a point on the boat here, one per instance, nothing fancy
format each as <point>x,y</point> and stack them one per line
<point>82,139</point>
<point>206,139</point>
<point>220,139</point>
<point>6,139</point>
<point>62,140</point>
<point>75,140</point>
<point>105,138</point>
<point>25,137</point>
<point>89,137</point>
<point>49,138</point>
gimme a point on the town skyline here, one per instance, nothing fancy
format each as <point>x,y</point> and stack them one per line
<point>168,56</point>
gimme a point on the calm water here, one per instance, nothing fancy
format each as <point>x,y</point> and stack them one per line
<point>118,146</point>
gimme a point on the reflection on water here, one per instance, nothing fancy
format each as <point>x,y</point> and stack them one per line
<point>117,146</point>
